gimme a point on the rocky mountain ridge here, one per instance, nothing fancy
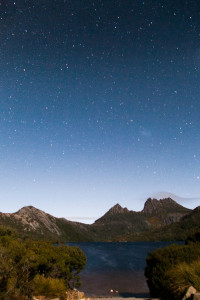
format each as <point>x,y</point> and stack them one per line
<point>152,206</point>
<point>34,217</point>
<point>117,209</point>
<point>118,224</point>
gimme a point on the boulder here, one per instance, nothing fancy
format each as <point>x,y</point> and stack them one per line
<point>196,296</point>
<point>189,293</point>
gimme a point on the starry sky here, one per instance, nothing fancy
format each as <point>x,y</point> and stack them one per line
<point>99,104</point>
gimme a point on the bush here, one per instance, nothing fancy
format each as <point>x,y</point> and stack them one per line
<point>49,287</point>
<point>182,276</point>
<point>160,261</point>
<point>6,231</point>
<point>21,262</point>
<point>195,238</point>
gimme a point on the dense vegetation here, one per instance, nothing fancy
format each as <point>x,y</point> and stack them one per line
<point>171,270</point>
<point>34,267</point>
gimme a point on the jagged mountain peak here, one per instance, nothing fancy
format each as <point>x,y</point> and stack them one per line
<point>113,212</point>
<point>117,209</point>
<point>117,224</point>
<point>153,205</point>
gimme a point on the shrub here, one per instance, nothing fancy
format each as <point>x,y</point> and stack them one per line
<point>195,238</point>
<point>160,261</point>
<point>6,231</point>
<point>49,287</point>
<point>21,262</point>
<point>182,276</point>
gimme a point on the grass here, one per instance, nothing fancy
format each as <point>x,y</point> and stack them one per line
<point>182,276</point>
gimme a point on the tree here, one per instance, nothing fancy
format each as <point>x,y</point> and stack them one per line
<point>21,262</point>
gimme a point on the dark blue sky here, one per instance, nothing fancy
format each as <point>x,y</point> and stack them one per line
<point>99,103</point>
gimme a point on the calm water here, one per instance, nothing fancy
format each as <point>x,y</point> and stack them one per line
<point>116,266</point>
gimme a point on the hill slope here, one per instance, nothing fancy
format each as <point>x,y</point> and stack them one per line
<point>119,222</point>
<point>34,223</point>
<point>159,220</point>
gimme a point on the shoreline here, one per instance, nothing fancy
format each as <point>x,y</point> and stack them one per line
<point>118,298</point>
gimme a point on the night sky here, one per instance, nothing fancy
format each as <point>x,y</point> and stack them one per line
<point>99,104</point>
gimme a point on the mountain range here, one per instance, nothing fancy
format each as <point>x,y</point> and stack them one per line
<point>159,220</point>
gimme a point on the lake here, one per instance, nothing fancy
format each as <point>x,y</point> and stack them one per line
<point>116,266</point>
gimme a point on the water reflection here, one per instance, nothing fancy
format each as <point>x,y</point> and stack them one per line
<point>116,266</point>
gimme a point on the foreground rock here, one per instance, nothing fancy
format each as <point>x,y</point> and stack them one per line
<point>191,294</point>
